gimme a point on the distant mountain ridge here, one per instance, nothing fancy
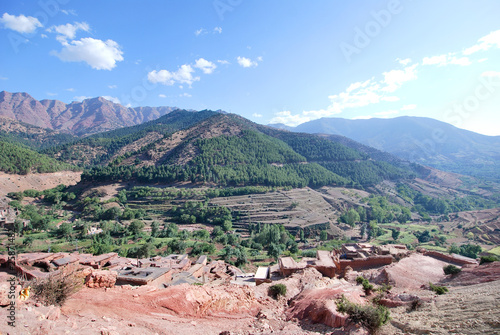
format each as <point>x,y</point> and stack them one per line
<point>421,140</point>
<point>78,118</point>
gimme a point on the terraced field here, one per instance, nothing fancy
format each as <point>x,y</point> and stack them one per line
<point>296,208</point>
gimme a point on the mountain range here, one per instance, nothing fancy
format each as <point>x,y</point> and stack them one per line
<point>422,140</point>
<point>48,123</point>
<point>77,118</point>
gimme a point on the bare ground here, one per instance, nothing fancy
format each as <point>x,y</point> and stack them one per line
<point>38,181</point>
<point>216,308</point>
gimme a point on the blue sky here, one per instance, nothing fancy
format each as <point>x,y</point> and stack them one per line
<point>269,61</point>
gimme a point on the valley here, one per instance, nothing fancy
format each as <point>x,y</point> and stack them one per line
<point>209,184</point>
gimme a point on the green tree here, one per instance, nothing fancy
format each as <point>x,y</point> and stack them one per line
<point>395,234</point>
<point>155,227</point>
<point>65,230</point>
<point>28,241</point>
<point>323,235</point>
<point>135,227</point>
<point>275,251</point>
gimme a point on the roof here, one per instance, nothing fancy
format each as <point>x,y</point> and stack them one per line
<point>262,272</point>
<point>287,263</point>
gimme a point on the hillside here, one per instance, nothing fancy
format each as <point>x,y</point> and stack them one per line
<point>226,149</point>
<point>31,136</point>
<point>16,159</point>
<point>78,118</point>
<point>421,140</point>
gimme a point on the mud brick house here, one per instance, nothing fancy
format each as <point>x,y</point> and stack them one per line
<point>144,276</point>
<point>358,256</point>
<point>324,263</point>
<point>8,216</point>
<point>262,275</point>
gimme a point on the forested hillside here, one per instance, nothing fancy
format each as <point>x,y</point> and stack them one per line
<point>224,150</point>
<point>421,140</point>
<point>17,159</point>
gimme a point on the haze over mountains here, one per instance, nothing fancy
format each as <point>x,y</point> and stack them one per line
<point>78,118</point>
<point>418,139</point>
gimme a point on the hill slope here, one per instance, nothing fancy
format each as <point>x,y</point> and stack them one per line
<point>225,149</point>
<point>422,140</point>
<point>78,118</point>
<point>17,159</point>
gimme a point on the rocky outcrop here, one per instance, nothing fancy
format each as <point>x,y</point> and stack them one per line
<point>318,305</point>
<point>101,278</point>
<point>471,275</point>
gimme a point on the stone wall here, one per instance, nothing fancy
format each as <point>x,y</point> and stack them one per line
<point>365,263</point>
<point>453,258</point>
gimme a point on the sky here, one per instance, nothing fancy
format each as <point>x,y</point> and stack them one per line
<point>269,61</point>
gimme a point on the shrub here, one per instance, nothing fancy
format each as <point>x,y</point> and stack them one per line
<point>451,269</point>
<point>56,288</point>
<point>384,288</point>
<point>488,259</point>
<point>277,290</point>
<point>438,289</point>
<point>366,284</point>
<point>370,317</point>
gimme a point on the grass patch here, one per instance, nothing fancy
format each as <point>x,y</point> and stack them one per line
<point>495,251</point>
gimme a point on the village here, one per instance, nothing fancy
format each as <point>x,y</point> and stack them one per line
<point>108,270</point>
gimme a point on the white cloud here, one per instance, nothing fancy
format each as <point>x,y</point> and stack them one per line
<point>408,107</point>
<point>68,31</point>
<point>69,11</point>
<point>287,118</point>
<point>71,89</point>
<point>356,95</point>
<point>247,62</point>
<point>112,99</point>
<point>206,66</point>
<point>200,31</point>
<point>4,78</point>
<point>22,24</point>
<point>51,94</point>
<point>395,78</point>
<point>223,62</point>
<point>183,75</point>
<point>363,117</point>
<point>98,54</point>
<point>162,96</point>
<point>185,95</point>
<point>43,36</point>
<point>81,98</point>
<point>491,74</point>
<point>434,60</point>
<point>404,62</point>
<point>112,86</point>
<point>485,43</point>
<point>256,115</point>
<point>203,31</point>
<point>443,60</point>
